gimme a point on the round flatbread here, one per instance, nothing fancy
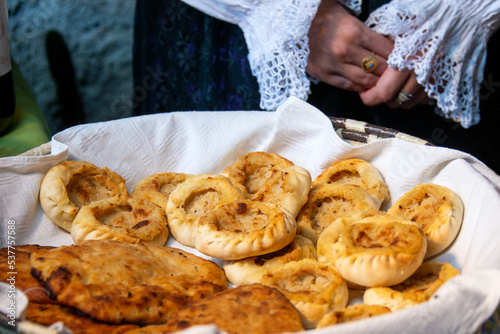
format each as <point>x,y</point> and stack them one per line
<point>72,184</point>
<point>250,171</point>
<point>437,209</point>
<point>118,282</point>
<point>315,288</point>
<point>244,228</point>
<point>417,289</point>
<point>351,313</point>
<point>157,187</point>
<point>122,218</point>
<point>192,199</point>
<point>327,203</point>
<point>250,270</point>
<point>378,250</point>
<point>359,172</point>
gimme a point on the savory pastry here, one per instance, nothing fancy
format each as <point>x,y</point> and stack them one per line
<point>359,172</point>
<point>249,309</point>
<point>117,282</point>
<point>327,203</point>
<point>377,250</point>
<point>250,171</point>
<point>49,314</point>
<point>72,184</point>
<point>437,209</point>
<point>244,228</point>
<point>192,199</point>
<point>315,288</point>
<point>122,218</point>
<point>352,313</point>
<point>417,289</point>
<point>287,188</point>
<point>250,270</point>
<point>157,187</point>
<point>18,261</point>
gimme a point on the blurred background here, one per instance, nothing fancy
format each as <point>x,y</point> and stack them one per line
<point>92,81</point>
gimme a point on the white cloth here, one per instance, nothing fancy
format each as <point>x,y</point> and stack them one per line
<point>206,142</point>
<point>443,41</point>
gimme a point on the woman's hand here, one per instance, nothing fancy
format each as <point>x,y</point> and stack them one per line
<point>338,42</point>
<point>391,88</point>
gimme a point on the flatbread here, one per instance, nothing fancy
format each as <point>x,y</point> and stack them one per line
<point>30,286</point>
<point>418,288</point>
<point>250,270</point>
<point>126,218</point>
<point>192,199</point>
<point>327,203</point>
<point>437,209</point>
<point>72,184</point>
<point>378,250</point>
<point>359,172</point>
<point>117,282</point>
<point>315,288</point>
<point>250,171</point>
<point>244,228</point>
<point>49,314</point>
<point>249,309</point>
<point>157,187</point>
<point>352,313</point>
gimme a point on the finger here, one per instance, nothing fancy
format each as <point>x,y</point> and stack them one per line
<point>388,85</point>
<point>377,43</point>
<point>342,83</point>
<point>413,90</point>
<point>417,98</point>
<point>360,55</point>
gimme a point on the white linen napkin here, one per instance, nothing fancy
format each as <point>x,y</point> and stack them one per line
<point>207,142</point>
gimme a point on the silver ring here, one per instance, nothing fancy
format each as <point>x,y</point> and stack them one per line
<point>403,97</point>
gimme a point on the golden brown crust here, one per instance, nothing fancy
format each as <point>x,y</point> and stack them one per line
<point>288,188</point>
<point>72,184</point>
<point>192,199</point>
<point>117,282</point>
<point>327,203</point>
<point>249,309</point>
<point>20,255</point>
<point>250,171</point>
<point>157,187</point>
<point>377,250</point>
<point>122,218</point>
<point>359,172</point>
<point>418,288</point>
<point>49,314</point>
<point>315,288</point>
<point>250,270</point>
<point>437,209</point>
<point>352,313</point>
<point>244,228</point>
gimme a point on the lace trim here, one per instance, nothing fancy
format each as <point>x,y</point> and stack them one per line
<point>447,57</point>
<point>276,34</point>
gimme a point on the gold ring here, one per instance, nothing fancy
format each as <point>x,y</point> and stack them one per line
<point>403,97</point>
<point>369,63</point>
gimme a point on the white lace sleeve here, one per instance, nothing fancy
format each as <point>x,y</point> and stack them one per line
<point>444,42</point>
<point>276,35</point>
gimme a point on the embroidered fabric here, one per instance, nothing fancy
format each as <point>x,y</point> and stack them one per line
<point>444,43</point>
